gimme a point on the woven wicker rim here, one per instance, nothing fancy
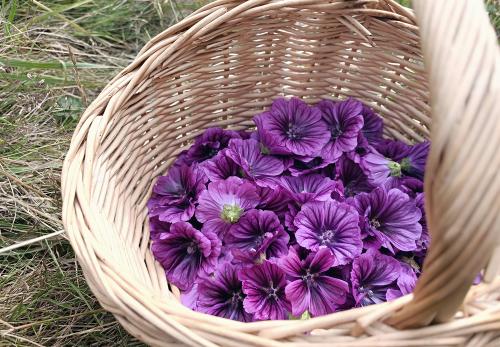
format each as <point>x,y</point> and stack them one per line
<point>227,61</point>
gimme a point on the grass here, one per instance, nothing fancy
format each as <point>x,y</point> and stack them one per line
<point>55,56</point>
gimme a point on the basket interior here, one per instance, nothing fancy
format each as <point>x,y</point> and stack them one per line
<point>225,77</point>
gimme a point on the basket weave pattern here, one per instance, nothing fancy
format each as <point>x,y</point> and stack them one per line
<point>228,61</point>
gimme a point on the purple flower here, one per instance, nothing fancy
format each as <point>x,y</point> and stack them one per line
<point>307,188</point>
<point>223,203</point>
<point>157,227</point>
<point>352,177</point>
<point>174,195</point>
<point>255,165</point>
<point>414,163</point>
<point>409,185</point>
<point>264,286</point>
<point>222,295</point>
<point>292,127</point>
<point>208,144</point>
<point>332,225</point>
<point>406,282</point>
<point>220,167</point>
<point>311,289</point>
<point>388,219</point>
<point>185,253</point>
<point>362,148</point>
<point>372,275</point>
<point>307,165</point>
<point>257,236</point>
<point>344,121</point>
<point>378,168</point>
<point>273,200</point>
<point>373,125</point>
<point>425,238</point>
<point>394,150</point>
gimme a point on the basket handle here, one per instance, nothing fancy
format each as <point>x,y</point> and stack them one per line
<point>462,181</point>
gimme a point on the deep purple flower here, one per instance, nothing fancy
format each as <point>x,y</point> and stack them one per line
<point>405,283</point>
<point>223,203</point>
<point>307,165</point>
<point>373,125</point>
<point>255,165</point>
<point>273,200</point>
<point>222,295</point>
<point>257,236</point>
<point>293,209</point>
<point>157,227</point>
<point>174,195</point>
<point>409,185</point>
<point>353,179</point>
<point>344,121</point>
<point>372,275</point>
<point>388,219</point>
<point>414,163</point>
<point>220,167</point>
<point>378,168</point>
<point>332,225</point>
<point>311,289</point>
<point>264,286</point>
<point>245,135</point>
<point>292,127</point>
<point>362,148</point>
<point>307,188</point>
<point>208,144</point>
<point>185,253</point>
<point>394,150</point>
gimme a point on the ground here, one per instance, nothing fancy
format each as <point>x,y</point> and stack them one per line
<point>55,57</point>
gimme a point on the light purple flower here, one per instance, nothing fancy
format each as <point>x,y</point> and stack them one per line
<point>307,188</point>
<point>185,253</point>
<point>373,125</point>
<point>255,165</point>
<point>257,236</point>
<point>223,203</point>
<point>353,179</point>
<point>388,219</point>
<point>292,127</point>
<point>344,121</point>
<point>372,275</point>
<point>222,295</point>
<point>264,286</point>
<point>311,289</point>
<point>220,167</point>
<point>174,195</point>
<point>208,144</point>
<point>332,225</point>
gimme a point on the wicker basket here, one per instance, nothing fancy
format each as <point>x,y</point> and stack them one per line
<point>225,63</point>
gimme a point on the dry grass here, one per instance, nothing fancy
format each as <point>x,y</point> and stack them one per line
<point>55,56</point>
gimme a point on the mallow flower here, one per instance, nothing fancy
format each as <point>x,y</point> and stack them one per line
<point>310,288</point>
<point>186,253</point>
<point>208,144</point>
<point>174,196</point>
<point>372,275</point>
<point>264,287</point>
<point>344,121</point>
<point>372,125</point>
<point>224,202</point>
<point>292,127</point>
<point>388,219</point>
<point>332,225</point>
<point>220,167</point>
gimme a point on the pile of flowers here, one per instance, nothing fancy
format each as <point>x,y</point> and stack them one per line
<point>312,213</point>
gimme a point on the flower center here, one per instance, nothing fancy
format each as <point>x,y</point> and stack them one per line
<point>236,297</point>
<point>191,248</point>
<point>395,168</point>
<point>375,223</point>
<point>309,277</point>
<point>360,150</point>
<point>293,132</point>
<point>335,132</point>
<point>231,213</point>
<point>327,236</point>
<point>272,293</point>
